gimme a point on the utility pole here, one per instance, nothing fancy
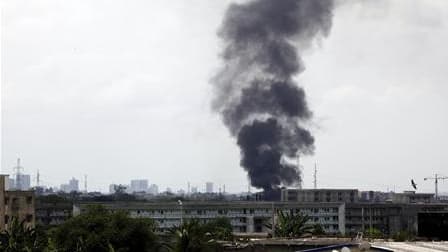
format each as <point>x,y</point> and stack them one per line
<point>436,179</point>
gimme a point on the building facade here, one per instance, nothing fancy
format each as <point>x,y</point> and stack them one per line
<point>209,187</point>
<point>139,185</point>
<point>15,204</point>
<point>245,217</point>
<point>319,195</point>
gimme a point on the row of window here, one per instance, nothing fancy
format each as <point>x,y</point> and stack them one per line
<point>28,218</point>
<point>15,200</point>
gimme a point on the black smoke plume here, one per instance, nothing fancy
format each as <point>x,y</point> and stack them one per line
<point>260,103</point>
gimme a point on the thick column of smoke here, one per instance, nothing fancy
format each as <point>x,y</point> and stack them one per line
<point>260,103</point>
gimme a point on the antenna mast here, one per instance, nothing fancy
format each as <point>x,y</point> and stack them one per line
<point>436,179</point>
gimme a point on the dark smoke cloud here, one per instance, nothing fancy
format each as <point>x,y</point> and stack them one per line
<point>261,104</point>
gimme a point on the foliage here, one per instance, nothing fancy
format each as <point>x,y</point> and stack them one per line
<point>220,229</point>
<point>20,238</point>
<point>374,233</point>
<point>291,225</point>
<point>402,236</point>
<point>100,230</point>
<point>192,236</point>
<point>317,229</point>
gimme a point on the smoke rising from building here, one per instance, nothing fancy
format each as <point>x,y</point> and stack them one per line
<point>260,103</point>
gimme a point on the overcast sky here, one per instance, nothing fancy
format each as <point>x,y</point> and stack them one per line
<point>119,89</point>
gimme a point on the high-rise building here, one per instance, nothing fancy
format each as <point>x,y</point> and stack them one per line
<point>22,182</point>
<point>139,185</point>
<point>74,184</point>
<point>112,188</point>
<point>209,187</point>
<point>153,189</point>
<point>194,189</point>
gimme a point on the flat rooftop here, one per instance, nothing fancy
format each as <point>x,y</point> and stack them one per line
<point>414,246</point>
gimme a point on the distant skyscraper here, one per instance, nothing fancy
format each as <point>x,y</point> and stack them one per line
<point>65,188</point>
<point>153,189</point>
<point>139,185</point>
<point>209,187</point>
<point>194,189</point>
<point>74,185</point>
<point>23,182</point>
<point>112,188</point>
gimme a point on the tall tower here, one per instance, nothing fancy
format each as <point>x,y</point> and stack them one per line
<point>18,172</point>
<point>315,176</point>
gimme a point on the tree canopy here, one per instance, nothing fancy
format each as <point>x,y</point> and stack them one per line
<point>100,230</point>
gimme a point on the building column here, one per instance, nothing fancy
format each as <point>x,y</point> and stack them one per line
<point>341,218</point>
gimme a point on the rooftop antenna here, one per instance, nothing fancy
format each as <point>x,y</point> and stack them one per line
<point>315,176</point>
<point>436,179</point>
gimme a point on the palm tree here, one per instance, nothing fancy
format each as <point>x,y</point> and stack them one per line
<point>191,236</point>
<point>18,237</point>
<point>291,225</point>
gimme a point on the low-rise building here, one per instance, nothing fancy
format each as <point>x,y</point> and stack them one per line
<point>245,217</point>
<point>320,195</point>
<point>15,204</point>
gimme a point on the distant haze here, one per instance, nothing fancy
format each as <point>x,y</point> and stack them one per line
<point>121,89</point>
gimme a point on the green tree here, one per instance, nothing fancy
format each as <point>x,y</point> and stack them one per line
<point>20,238</point>
<point>291,225</point>
<point>220,229</point>
<point>100,230</point>
<point>192,236</point>
<point>317,229</point>
<point>374,233</point>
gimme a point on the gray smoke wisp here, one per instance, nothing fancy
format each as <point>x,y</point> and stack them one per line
<point>260,103</point>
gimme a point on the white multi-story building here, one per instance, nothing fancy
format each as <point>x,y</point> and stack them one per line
<point>153,189</point>
<point>209,187</point>
<point>139,185</point>
<point>22,182</point>
<point>72,186</point>
<point>245,217</point>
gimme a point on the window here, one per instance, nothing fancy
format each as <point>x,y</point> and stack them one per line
<point>29,200</point>
<point>6,200</point>
<point>6,219</point>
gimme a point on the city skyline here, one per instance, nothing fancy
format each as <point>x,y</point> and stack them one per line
<point>124,90</point>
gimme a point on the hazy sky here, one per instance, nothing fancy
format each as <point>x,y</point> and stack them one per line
<point>119,89</point>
